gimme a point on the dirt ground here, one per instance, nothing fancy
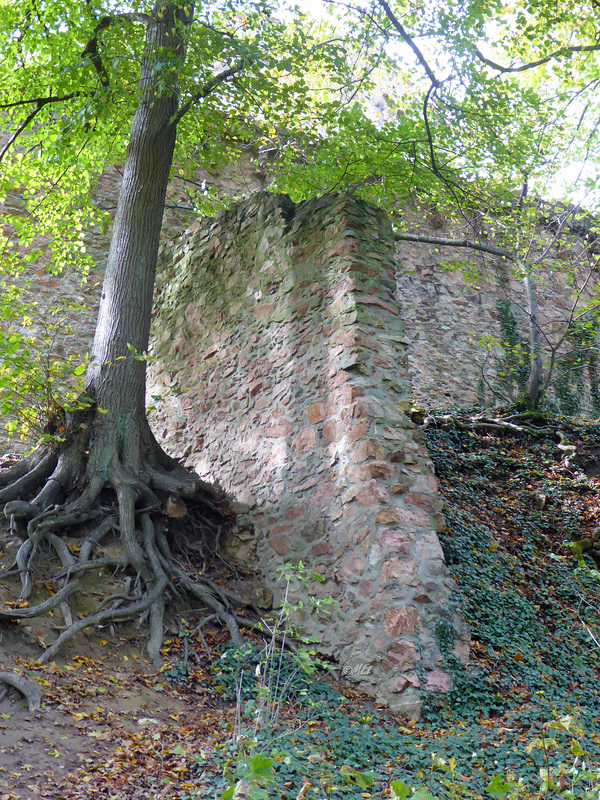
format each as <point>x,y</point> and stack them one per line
<point>90,705</point>
<point>110,724</point>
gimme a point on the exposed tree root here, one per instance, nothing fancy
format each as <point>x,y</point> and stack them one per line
<point>28,689</point>
<point>529,423</point>
<point>121,489</point>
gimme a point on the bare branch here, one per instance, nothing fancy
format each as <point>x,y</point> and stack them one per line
<point>484,248</point>
<point>209,87</point>
<point>410,42</point>
<point>562,51</point>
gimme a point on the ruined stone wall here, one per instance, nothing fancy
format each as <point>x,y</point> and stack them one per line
<point>281,356</point>
<point>455,300</point>
<point>290,341</point>
<point>449,312</point>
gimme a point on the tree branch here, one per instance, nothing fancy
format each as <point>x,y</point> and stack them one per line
<point>434,165</point>
<point>41,102</point>
<point>562,51</point>
<point>484,248</point>
<point>44,100</point>
<point>209,87</point>
<point>91,50</point>
<point>410,42</point>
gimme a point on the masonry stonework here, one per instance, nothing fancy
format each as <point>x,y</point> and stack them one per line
<point>289,342</point>
<point>281,354</point>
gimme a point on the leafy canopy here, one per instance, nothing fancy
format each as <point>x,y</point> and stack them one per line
<point>380,98</point>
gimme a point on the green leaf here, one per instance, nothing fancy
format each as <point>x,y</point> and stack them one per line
<point>399,790</point>
<point>423,794</point>
<point>498,788</point>
<point>260,767</point>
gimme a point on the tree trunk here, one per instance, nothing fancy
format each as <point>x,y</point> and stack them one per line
<point>115,378</point>
<point>109,443</point>
<point>534,382</point>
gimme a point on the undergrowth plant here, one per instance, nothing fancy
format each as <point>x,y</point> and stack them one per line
<point>280,668</point>
<point>565,771</point>
<point>39,382</point>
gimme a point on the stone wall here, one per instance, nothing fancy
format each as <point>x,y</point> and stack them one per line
<point>290,342</point>
<point>448,312</point>
<point>453,300</point>
<point>281,356</point>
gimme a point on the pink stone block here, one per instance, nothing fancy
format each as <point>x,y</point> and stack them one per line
<point>305,441</point>
<point>401,656</point>
<point>428,547</point>
<point>382,361</point>
<point>409,681</point>
<point>392,540</point>
<point>315,413</point>
<point>345,395</point>
<point>377,469</point>
<point>405,572</point>
<point>428,502</point>
<point>333,430</point>
<point>264,310</point>
<point>281,428</point>
<point>280,546</point>
<point>438,681</point>
<point>401,621</point>
<point>372,493</point>
<point>388,516</point>
<point>462,651</point>
<point>340,378</point>
<point>417,518</point>
<point>322,496</point>
<point>368,449</point>
<point>358,432</point>
<point>353,568</point>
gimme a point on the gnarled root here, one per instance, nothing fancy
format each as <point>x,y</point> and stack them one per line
<point>76,491</point>
<point>28,689</point>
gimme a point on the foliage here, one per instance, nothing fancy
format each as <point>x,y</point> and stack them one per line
<point>518,586</point>
<point>269,678</point>
<point>39,383</point>
<point>351,100</point>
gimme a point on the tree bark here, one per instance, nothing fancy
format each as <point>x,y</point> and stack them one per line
<point>108,443</point>
<point>534,381</point>
<point>115,378</point>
